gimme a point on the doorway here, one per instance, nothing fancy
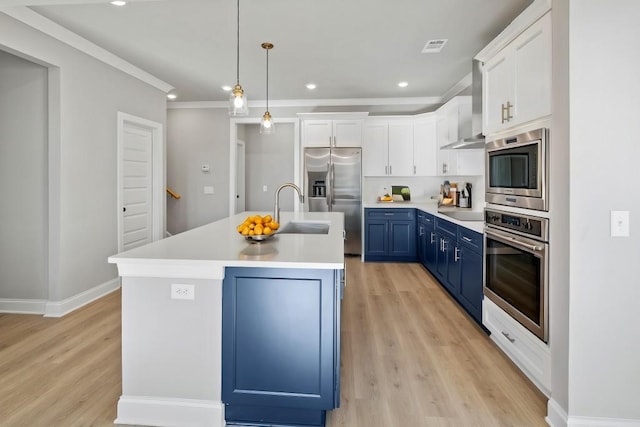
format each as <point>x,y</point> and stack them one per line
<point>238,134</point>
<point>240,175</point>
<point>140,181</point>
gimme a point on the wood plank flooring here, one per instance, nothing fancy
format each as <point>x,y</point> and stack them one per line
<point>410,357</point>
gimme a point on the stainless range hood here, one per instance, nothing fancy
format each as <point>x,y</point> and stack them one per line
<point>476,139</point>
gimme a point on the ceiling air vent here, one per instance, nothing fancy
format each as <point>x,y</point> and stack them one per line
<point>434,46</point>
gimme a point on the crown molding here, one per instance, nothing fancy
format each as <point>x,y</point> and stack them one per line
<point>12,3</point>
<point>464,83</point>
<point>50,28</point>
<point>523,21</point>
<point>313,102</point>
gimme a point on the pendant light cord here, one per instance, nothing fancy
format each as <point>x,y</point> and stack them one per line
<point>267,79</point>
<point>238,47</point>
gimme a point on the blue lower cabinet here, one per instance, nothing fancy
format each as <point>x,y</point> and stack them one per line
<point>280,346</point>
<point>454,256</point>
<point>390,235</point>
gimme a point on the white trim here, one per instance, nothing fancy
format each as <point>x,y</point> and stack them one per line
<point>434,100</point>
<point>523,21</point>
<point>58,32</point>
<point>161,411</point>
<point>233,122</point>
<point>13,3</point>
<point>22,306</point>
<point>556,415</point>
<point>333,116</point>
<point>454,90</point>
<point>601,422</point>
<point>158,172</point>
<point>60,308</point>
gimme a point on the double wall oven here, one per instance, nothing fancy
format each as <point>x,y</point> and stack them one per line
<point>516,244</point>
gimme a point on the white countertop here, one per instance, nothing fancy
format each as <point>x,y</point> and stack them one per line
<point>431,207</point>
<point>203,252</point>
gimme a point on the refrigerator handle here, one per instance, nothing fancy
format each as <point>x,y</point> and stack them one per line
<point>329,187</point>
<point>333,173</point>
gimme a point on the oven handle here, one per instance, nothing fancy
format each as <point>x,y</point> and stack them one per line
<point>506,237</point>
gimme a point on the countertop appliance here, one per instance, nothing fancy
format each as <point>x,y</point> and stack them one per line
<point>516,270</point>
<point>516,170</point>
<point>333,184</point>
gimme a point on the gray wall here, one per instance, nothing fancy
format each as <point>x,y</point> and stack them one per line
<point>604,293</point>
<point>82,180</point>
<point>196,137</point>
<point>23,178</point>
<point>269,161</point>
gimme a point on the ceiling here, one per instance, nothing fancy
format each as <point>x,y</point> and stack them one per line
<point>351,49</point>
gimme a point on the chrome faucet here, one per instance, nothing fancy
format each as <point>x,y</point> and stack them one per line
<point>276,207</point>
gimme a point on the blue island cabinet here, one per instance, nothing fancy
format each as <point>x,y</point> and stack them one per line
<point>280,345</point>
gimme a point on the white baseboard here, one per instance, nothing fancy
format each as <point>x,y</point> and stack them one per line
<point>556,415</point>
<point>60,308</point>
<point>161,412</point>
<point>22,306</point>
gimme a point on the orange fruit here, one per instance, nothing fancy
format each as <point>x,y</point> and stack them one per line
<point>251,233</point>
<point>267,231</point>
<point>267,219</point>
<point>245,231</point>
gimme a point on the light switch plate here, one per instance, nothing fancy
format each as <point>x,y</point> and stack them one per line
<point>264,188</point>
<point>619,223</point>
<point>183,291</point>
<point>208,190</point>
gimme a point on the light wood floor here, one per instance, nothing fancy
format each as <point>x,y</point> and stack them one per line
<point>410,357</point>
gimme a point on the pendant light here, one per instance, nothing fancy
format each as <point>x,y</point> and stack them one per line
<point>266,124</point>
<point>238,101</point>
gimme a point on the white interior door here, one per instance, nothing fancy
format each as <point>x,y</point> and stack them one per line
<point>137,169</point>
<point>240,176</point>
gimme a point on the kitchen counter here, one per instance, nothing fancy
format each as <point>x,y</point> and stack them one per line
<point>172,311</point>
<point>205,251</point>
<point>431,207</point>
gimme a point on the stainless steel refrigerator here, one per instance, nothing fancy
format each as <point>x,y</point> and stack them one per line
<point>332,181</point>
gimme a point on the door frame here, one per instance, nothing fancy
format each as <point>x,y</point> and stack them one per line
<point>233,138</point>
<point>241,143</point>
<point>157,174</point>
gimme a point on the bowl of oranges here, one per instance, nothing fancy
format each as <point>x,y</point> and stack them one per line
<point>258,228</point>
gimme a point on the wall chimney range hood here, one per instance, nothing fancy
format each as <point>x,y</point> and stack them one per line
<point>476,139</point>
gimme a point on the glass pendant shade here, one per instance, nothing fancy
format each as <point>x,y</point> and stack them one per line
<point>266,124</point>
<point>238,105</point>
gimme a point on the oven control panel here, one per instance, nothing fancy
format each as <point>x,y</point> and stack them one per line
<point>523,224</point>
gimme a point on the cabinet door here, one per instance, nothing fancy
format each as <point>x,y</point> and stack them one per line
<point>402,239</point>
<point>470,289</point>
<point>446,159</point>
<point>277,340</point>
<point>425,148</point>
<point>453,269</point>
<point>431,251</point>
<point>532,72</point>
<point>376,237</point>
<point>442,260</point>
<point>316,133</point>
<point>375,149</point>
<point>401,149</point>
<point>496,91</point>
<point>347,133</point>
<point>421,242</point>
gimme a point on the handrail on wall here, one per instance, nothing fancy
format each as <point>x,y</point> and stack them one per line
<point>173,193</point>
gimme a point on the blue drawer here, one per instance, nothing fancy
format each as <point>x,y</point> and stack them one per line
<point>428,220</point>
<point>392,214</point>
<point>447,227</point>
<point>470,239</point>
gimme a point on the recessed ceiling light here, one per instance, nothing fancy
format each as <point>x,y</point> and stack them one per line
<point>226,88</point>
<point>172,95</point>
<point>311,86</point>
<point>403,84</point>
<point>118,3</point>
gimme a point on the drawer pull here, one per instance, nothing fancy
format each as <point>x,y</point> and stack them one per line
<point>506,335</point>
<point>466,239</point>
<point>388,214</point>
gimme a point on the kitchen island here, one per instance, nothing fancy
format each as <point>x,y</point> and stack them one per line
<point>187,357</point>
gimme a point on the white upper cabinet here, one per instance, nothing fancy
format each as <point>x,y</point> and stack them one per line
<point>517,80</point>
<point>387,148</point>
<point>425,146</point>
<point>331,133</point>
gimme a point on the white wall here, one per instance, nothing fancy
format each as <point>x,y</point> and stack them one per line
<point>269,161</point>
<point>23,179</point>
<point>85,96</point>
<point>604,369</point>
<point>197,136</point>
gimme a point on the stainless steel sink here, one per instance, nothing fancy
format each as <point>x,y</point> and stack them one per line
<point>305,227</point>
<point>465,215</point>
